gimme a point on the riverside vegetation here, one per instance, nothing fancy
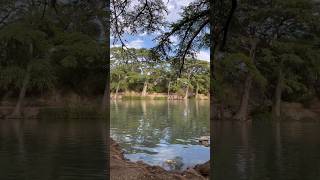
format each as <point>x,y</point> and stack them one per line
<point>54,54</point>
<point>50,53</point>
<point>141,70</point>
<point>47,54</point>
<point>272,57</point>
<point>53,51</point>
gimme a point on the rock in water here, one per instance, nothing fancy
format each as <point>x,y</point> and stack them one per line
<point>204,140</point>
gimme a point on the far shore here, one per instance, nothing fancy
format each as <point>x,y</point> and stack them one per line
<point>33,105</point>
<point>292,111</point>
<point>158,96</point>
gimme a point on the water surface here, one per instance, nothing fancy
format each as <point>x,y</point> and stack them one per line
<point>155,131</point>
<point>267,151</point>
<point>55,149</point>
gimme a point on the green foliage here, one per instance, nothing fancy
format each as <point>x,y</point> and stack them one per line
<point>241,63</point>
<point>191,30</point>
<point>132,69</point>
<point>296,60</point>
<point>43,76</point>
<point>274,42</point>
<point>11,77</point>
<point>23,33</point>
<point>56,50</point>
<point>160,98</point>
<point>69,62</point>
<point>24,47</point>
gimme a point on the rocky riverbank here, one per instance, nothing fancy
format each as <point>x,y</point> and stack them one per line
<point>122,169</point>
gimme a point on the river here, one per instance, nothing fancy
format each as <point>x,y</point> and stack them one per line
<point>267,150</point>
<point>53,148</point>
<point>62,147</point>
<point>160,132</point>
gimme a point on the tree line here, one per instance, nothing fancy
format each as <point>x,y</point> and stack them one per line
<point>272,55</point>
<point>263,52</point>
<point>51,48</point>
<point>143,70</point>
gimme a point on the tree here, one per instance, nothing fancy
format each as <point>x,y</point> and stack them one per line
<point>129,17</point>
<point>256,28</point>
<point>246,37</point>
<point>78,58</point>
<point>143,70</point>
<point>293,22</point>
<point>121,65</point>
<point>46,43</point>
<point>25,63</point>
<point>192,31</point>
<point>291,64</point>
<point>150,68</point>
<point>199,76</point>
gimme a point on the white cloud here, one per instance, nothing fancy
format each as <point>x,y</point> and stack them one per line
<point>174,40</point>
<point>203,55</point>
<point>183,2</point>
<point>138,43</point>
<point>132,44</point>
<point>175,8</point>
<point>115,45</point>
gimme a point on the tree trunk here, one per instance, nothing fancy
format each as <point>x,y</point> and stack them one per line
<point>117,88</point>
<point>117,91</point>
<point>197,108</point>
<point>22,94</point>
<point>276,108</point>
<point>169,90</point>
<point>145,88</point>
<point>242,113</point>
<point>187,93</point>
<point>197,91</point>
<point>187,90</point>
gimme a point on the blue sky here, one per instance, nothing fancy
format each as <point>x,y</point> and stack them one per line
<point>146,40</point>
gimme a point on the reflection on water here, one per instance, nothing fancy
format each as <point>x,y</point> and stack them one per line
<point>267,151</point>
<point>182,156</point>
<point>160,132</point>
<point>52,150</point>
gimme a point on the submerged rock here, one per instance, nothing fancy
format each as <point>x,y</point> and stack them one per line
<point>175,163</point>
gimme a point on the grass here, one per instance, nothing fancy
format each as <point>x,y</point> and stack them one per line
<point>160,98</point>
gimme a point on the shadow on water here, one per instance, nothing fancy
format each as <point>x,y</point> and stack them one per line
<point>267,151</point>
<point>53,149</point>
<point>160,132</point>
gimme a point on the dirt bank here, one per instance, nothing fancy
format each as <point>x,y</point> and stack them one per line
<point>298,112</point>
<point>122,169</point>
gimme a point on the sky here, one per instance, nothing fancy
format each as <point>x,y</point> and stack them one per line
<point>146,40</point>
